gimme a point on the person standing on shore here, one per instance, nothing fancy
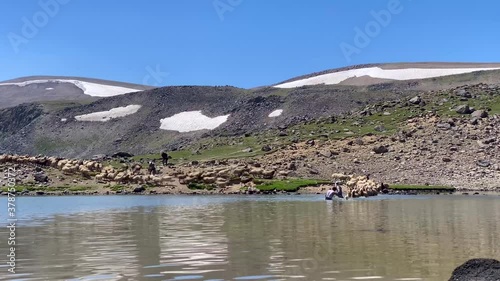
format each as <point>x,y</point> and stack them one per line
<point>164,157</point>
<point>152,167</point>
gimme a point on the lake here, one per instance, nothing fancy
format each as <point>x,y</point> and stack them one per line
<point>294,237</point>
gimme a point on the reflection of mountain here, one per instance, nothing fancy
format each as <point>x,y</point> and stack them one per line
<point>398,238</point>
<point>257,236</point>
<point>86,246</point>
<point>192,241</point>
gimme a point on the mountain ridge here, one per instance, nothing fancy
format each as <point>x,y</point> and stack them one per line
<point>54,128</point>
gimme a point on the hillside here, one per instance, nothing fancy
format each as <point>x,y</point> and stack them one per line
<point>370,74</point>
<point>192,118</point>
<point>442,129</point>
<point>60,89</point>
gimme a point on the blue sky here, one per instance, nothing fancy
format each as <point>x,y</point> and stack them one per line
<point>245,43</point>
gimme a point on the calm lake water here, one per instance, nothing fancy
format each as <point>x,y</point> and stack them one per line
<point>249,238</point>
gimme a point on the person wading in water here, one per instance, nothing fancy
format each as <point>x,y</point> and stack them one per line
<point>334,191</point>
<point>329,194</point>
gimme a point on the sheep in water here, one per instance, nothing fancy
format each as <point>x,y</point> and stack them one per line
<point>358,186</point>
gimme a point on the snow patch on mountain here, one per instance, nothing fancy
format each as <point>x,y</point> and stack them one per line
<point>104,116</point>
<point>377,72</point>
<point>88,88</point>
<point>276,113</point>
<point>190,121</point>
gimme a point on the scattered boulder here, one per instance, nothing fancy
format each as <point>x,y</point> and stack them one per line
<point>40,177</point>
<point>98,157</point>
<point>477,269</point>
<point>325,153</point>
<point>444,126</point>
<point>463,93</point>
<point>380,149</point>
<point>266,148</point>
<point>479,114</point>
<point>463,109</point>
<point>139,189</point>
<point>313,171</point>
<point>416,100</point>
<point>483,163</point>
<point>474,121</point>
<point>245,179</point>
<point>122,154</point>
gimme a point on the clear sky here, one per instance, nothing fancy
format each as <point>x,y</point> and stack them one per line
<point>245,43</point>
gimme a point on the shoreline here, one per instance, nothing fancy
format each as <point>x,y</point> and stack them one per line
<point>242,193</point>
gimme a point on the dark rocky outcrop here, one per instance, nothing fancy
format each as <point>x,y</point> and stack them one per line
<point>477,270</point>
<point>380,149</point>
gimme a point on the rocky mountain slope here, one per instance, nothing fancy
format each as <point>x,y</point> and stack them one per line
<point>60,89</point>
<point>188,117</point>
<point>370,74</point>
<point>441,130</point>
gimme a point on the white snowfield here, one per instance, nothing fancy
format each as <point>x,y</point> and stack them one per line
<point>104,116</point>
<point>377,72</point>
<point>88,88</point>
<point>276,113</point>
<point>190,121</point>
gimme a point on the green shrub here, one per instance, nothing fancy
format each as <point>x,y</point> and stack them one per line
<point>290,185</point>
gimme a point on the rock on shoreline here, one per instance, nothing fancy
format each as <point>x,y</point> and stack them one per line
<point>477,270</point>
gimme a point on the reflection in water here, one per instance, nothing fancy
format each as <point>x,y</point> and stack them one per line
<point>192,241</point>
<point>260,238</point>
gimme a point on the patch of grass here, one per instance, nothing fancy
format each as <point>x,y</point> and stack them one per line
<point>216,149</point>
<point>421,187</point>
<point>79,188</point>
<point>357,126</point>
<point>200,186</point>
<point>19,188</point>
<point>290,185</point>
<point>117,187</point>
